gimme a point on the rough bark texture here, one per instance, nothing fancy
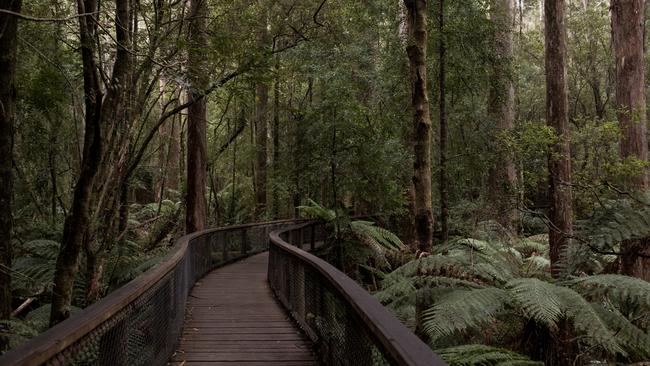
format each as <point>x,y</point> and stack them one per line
<point>627,38</point>
<point>276,141</point>
<point>501,109</point>
<point>76,223</point>
<point>261,139</point>
<point>8,36</point>
<point>559,160</point>
<point>417,51</point>
<point>442,108</point>
<point>196,211</point>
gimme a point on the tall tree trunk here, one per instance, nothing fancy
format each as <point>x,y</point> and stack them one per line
<point>442,107</point>
<point>559,159</point>
<point>408,232</point>
<point>76,223</point>
<point>196,211</point>
<point>276,139</point>
<point>628,39</point>
<point>261,125</point>
<point>501,109</point>
<point>417,54</point>
<point>8,36</point>
<point>261,137</point>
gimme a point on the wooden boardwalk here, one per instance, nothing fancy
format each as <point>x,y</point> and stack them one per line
<point>232,318</point>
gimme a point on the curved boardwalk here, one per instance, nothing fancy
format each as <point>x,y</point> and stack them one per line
<point>232,318</point>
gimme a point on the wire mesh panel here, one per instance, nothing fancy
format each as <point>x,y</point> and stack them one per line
<point>140,323</point>
<point>348,326</point>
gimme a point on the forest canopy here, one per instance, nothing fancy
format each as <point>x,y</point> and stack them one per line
<point>482,164</point>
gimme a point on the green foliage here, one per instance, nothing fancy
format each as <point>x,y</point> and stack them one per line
<point>478,354</point>
<point>33,270</point>
<point>316,211</point>
<point>479,291</point>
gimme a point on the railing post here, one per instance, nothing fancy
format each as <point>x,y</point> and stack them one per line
<point>301,237</point>
<point>224,248</point>
<point>244,241</point>
<point>312,241</point>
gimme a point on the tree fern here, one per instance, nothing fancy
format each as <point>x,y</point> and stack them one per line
<point>587,323</point>
<point>463,309</point>
<point>609,314</point>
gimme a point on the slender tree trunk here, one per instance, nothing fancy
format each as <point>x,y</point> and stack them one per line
<point>501,109</point>
<point>8,36</point>
<point>408,231</point>
<point>261,137</point>
<point>76,223</point>
<point>261,127</point>
<point>196,211</point>
<point>417,54</point>
<point>559,160</point>
<point>276,139</point>
<point>442,106</point>
<point>115,120</point>
<point>628,39</point>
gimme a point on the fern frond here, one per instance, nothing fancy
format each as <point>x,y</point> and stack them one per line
<point>463,309</point>
<point>377,234</point>
<point>635,341</point>
<point>537,299</point>
<point>587,322</point>
<point>615,287</point>
<point>41,248</point>
<point>316,211</point>
<point>478,354</point>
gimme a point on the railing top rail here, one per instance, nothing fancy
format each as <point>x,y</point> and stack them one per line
<point>404,346</point>
<point>46,345</point>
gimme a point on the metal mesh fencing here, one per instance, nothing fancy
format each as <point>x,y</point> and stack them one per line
<point>347,325</point>
<point>141,325</point>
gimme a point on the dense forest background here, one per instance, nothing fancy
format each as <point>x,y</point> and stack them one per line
<point>503,141</point>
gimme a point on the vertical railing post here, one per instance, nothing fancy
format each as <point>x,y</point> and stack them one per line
<point>312,240</point>
<point>244,242</point>
<point>224,248</point>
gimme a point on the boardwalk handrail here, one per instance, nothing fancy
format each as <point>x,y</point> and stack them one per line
<point>348,325</point>
<point>140,323</point>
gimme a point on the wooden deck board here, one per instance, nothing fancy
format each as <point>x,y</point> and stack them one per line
<point>233,319</point>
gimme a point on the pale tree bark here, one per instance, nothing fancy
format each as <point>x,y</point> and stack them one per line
<point>407,222</point>
<point>196,210</point>
<point>8,37</point>
<point>559,159</point>
<point>76,223</point>
<point>501,109</point>
<point>628,41</point>
<point>417,54</point>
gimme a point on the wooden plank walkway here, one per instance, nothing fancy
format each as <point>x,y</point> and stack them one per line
<point>232,318</point>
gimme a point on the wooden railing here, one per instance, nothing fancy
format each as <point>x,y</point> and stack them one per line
<point>347,324</point>
<point>140,323</point>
